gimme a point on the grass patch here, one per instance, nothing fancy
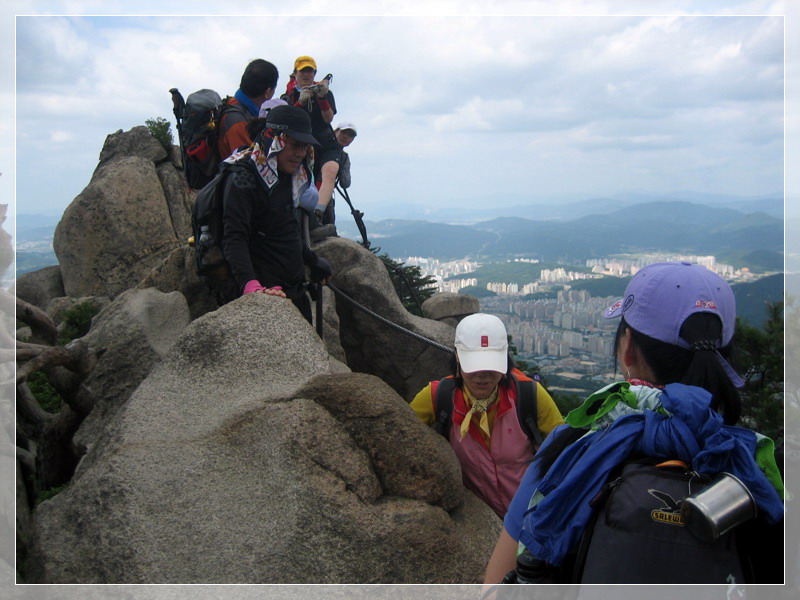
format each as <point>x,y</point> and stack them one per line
<point>49,493</point>
<point>47,396</point>
<point>77,322</point>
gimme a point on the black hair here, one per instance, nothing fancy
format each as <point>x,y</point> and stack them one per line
<point>255,126</point>
<point>673,364</point>
<point>669,364</point>
<point>258,76</point>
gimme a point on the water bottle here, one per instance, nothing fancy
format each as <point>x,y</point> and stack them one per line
<point>533,570</point>
<point>205,237</point>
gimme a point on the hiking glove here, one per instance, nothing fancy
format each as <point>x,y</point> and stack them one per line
<point>322,88</point>
<point>321,270</point>
<point>254,285</point>
<point>305,95</point>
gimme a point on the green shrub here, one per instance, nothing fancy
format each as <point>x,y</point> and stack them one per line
<point>47,494</point>
<point>77,321</point>
<point>47,396</point>
<point>160,129</point>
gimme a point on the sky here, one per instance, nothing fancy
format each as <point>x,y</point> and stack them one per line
<point>457,104</point>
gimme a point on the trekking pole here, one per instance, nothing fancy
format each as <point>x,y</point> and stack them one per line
<point>319,309</point>
<point>307,242</point>
<point>357,215</point>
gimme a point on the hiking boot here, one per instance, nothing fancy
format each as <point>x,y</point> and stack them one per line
<point>322,232</point>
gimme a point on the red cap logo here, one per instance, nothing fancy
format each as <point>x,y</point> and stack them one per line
<point>484,341</point>
<point>705,304</point>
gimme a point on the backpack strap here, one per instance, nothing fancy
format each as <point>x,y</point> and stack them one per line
<point>443,405</point>
<point>527,407</point>
<point>228,116</point>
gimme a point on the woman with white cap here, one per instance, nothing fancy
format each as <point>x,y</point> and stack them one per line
<point>678,400</point>
<point>483,427</point>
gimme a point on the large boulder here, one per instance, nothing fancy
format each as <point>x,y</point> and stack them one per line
<point>240,459</point>
<point>179,200</point>
<point>135,142</point>
<point>408,351</point>
<point>130,335</point>
<point>330,324</point>
<point>115,231</point>
<point>449,307</point>
<point>41,286</point>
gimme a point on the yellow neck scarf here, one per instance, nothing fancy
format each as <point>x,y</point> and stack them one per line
<point>478,406</point>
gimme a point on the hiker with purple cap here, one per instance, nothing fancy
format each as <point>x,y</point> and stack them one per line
<point>677,402</point>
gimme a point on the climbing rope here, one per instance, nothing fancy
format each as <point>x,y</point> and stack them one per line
<point>340,293</point>
<point>386,321</point>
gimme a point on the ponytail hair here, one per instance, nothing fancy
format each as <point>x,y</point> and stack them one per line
<point>697,365</point>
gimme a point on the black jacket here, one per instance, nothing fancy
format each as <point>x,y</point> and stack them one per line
<point>262,238</point>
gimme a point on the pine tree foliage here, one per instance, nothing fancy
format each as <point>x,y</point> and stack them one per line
<point>759,359</point>
<point>411,286</point>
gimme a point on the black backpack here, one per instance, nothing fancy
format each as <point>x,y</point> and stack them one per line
<point>207,229</point>
<point>638,536</point>
<point>526,408</point>
<point>199,127</point>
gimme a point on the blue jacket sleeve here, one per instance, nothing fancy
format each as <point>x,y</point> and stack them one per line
<point>519,504</point>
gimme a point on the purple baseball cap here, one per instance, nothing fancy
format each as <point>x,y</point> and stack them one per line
<point>661,296</point>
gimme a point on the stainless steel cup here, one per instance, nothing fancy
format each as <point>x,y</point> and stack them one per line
<point>720,507</point>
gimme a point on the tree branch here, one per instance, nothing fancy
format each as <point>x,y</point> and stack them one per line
<point>75,356</point>
<point>28,407</point>
<point>40,323</point>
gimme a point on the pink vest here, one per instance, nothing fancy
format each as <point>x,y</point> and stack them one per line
<point>493,475</point>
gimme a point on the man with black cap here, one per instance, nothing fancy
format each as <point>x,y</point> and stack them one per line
<point>262,241</point>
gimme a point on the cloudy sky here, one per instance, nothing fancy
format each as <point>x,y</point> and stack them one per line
<point>457,104</point>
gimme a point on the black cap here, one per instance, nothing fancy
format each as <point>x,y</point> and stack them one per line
<point>292,121</point>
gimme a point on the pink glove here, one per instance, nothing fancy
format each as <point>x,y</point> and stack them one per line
<point>254,285</point>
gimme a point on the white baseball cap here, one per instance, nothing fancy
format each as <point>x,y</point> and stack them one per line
<point>347,125</point>
<point>482,344</point>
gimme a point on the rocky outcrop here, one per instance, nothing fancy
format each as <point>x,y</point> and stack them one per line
<point>450,308</point>
<point>232,445</point>
<point>40,287</point>
<point>401,359</point>
<point>178,272</point>
<point>130,336</point>
<point>125,222</point>
<point>331,325</point>
<point>241,459</point>
<point>179,200</point>
<point>135,142</point>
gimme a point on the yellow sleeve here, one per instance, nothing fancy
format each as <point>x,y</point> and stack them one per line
<point>422,404</point>
<point>548,416</point>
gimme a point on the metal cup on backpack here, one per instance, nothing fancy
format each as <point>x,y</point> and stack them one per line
<point>718,508</point>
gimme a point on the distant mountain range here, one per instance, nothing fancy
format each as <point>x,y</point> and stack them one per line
<point>564,233</point>
<point>751,297</point>
<point>491,206</point>
<point>743,239</point>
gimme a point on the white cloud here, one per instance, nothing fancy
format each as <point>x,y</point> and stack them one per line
<point>61,136</point>
<point>569,98</point>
